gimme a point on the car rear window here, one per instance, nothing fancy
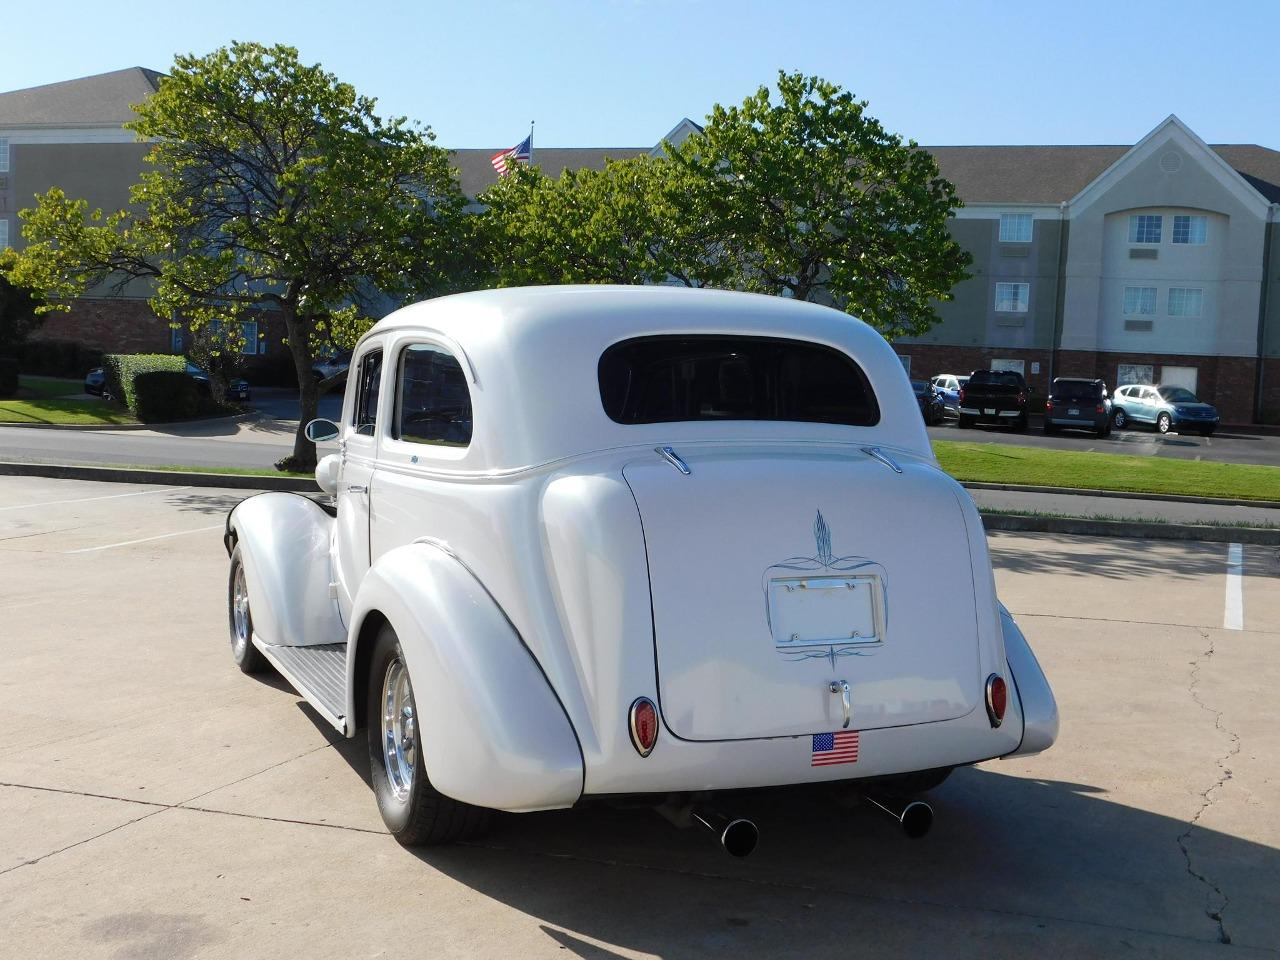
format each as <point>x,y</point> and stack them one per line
<point>996,377</point>
<point>1076,390</point>
<point>669,379</point>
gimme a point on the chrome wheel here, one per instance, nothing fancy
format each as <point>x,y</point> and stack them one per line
<point>1163,423</point>
<point>1120,420</point>
<point>240,622</point>
<point>399,729</point>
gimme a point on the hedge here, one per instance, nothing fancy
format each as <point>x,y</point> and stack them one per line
<point>121,370</point>
<point>58,358</point>
<point>162,395</point>
<point>8,377</point>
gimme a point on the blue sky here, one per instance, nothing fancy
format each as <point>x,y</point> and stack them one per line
<point>623,72</point>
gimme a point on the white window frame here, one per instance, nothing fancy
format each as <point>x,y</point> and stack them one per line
<point>249,330</point>
<point>4,154</point>
<point>1194,238</point>
<point>1180,298</point>
<point>905,359</point>
<point>1135,307</point>
<point>1020,227</point>
<point>1137,223</point>
<point>1135,378</point>
<point>4,232</point>
<point>1009,365</point>
<point>1021,296</point>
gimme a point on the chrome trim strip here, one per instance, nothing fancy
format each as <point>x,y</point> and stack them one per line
<point>877,454</point>
<point>673,458</point>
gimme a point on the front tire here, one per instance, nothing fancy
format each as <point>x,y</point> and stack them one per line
<point>1164,423</point>
<point>1119,420</point>
<point>247,657</point>
<point>415,812</point>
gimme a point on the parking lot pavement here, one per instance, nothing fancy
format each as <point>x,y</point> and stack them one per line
<point>1228,445</point>
<point>154,802</point>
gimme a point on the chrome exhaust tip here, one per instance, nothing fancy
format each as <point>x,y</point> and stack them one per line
<point>914,816</point>
<point>737,835</point>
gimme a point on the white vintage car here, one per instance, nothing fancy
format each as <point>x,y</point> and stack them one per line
<point>603,542</point>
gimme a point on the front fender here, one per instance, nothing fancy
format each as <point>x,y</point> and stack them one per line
<point>1039,709</point>
<point>284,545</point>
<point>491,729</point>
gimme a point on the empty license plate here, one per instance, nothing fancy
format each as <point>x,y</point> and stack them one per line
<point>990,411</point>
<point>823,610</point>
<point>1073,412</point>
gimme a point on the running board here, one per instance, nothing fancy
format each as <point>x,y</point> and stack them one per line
<point>318,673</point>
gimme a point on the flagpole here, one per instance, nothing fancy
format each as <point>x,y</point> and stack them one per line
<point>531,143</point>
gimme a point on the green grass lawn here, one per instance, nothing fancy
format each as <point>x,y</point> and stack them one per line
<point>49,400</point>
<point>1003,463</point>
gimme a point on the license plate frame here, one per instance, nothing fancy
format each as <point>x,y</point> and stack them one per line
<point>1073,411</point>
<point>988,411</point>
<point>824,611</point>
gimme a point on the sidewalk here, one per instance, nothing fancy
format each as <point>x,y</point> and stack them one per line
<point>1084,505</point>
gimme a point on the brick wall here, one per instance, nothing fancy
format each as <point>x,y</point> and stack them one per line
<point>115,325</point>
<point>1226,382</point>
<point>1271,390</point>
<point>928,360</point>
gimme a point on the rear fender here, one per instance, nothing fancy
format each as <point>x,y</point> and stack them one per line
<point>1039,709</point>
<point>491,729</point>
<point>284,544</point>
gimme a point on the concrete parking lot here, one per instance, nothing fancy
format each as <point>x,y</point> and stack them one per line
<point>154,802</point>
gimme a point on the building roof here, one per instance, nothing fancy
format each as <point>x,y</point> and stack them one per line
<point>105,99</point>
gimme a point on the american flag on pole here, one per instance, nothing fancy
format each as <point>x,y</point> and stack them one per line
<point>832,748</point>
<point>504,159</point>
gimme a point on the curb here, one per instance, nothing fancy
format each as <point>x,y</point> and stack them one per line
<point>234,481</point>
<point>233,418</point>
<point>1129,529</point>
<point>1120,494</point>
<point>1016,523</point>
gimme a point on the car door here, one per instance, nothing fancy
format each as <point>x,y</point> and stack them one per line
<point>359,451</point>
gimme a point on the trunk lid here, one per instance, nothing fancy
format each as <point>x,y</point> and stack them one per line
<point>774,575</point>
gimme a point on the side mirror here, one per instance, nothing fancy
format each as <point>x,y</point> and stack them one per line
<point>320,430</point>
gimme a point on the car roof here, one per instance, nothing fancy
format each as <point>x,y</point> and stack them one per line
<point>531,356</point>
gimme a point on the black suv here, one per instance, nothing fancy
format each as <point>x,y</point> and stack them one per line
<point>1078,405</point>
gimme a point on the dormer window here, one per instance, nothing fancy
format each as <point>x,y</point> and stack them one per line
<point>4,154</point>
<point>1190,229</point>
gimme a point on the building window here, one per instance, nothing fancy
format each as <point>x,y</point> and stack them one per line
<point>4,232</point>
<point>1009,366</point>
<point>249,330</point>
<point>1186,301</point>
<point>1190,229</point>
<point>1012,297</point>
<point>906,363</point>
<point>1135,373</point>
<point>175,340</point>
<point>4,154</point>
<point>1139,301</point>
<point>1015,228</point>
<point>1145,228</point>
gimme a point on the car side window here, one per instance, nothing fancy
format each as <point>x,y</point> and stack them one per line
<point>365,412</point>
<point>433,404</point>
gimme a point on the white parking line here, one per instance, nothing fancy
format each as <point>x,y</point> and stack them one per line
<point>127,543</point>
<point>114,496</point>
<point>1233,615</point>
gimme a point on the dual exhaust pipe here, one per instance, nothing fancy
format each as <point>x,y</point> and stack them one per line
<point>738,836</point>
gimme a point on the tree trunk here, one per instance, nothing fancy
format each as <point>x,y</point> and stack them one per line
<point>303,458</point>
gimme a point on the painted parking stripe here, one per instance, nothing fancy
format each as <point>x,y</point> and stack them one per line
<point>1233,614</point>
<point>114,496</point>
<point>129,543</point>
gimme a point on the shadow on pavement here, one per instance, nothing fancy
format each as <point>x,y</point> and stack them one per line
<point>1111,558</point>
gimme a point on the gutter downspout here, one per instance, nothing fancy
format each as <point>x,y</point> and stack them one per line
<point>1259,376</point>
<point>1059,306</point>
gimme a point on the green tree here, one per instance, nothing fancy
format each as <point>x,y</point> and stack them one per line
<point>19,308</point>
<point>623,224</point>
<point>812,198</point>
<point>272,187</point>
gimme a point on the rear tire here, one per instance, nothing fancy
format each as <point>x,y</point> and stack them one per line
<point>1207,431</point>
<point>1020,424</point>
<point>964,423</point>
<point>1164,423</point>
<point>240,619</point>
<point>415,812</point>
<point>1049,428</point>
<point>1119,419</point>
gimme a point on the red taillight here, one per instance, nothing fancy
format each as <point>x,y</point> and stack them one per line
<point>997,699</point>
<point>961,395</point>
<point>1048,405</point>
<point>643,723</point>
<point>1022,397</point>
<point>1101,409</point>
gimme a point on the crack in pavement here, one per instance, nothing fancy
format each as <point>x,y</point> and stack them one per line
<point>1216,899</point>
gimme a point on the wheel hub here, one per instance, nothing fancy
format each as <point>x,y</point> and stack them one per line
<point>399,729</point>
<point>240,628</point>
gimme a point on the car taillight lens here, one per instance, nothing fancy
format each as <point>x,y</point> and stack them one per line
<point>643,724</point>
<point>997,699</point>
<point>960,396</point>
<point>1048,405</point>
<point>1100,409</point>
<point>1022,397</point>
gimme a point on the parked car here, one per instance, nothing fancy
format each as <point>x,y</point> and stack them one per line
<point>949,384</point>
<point>994,396</point>
<point>237,387</point>
<point>930,401</point>
<point>330,365</point>
<point>1077,405</point>
<point>1163,407</point>
<point>95,382</point>
<point>641,542</point>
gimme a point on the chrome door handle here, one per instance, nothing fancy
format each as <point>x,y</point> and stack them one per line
<point>357,488</point>
<point>842,687</point>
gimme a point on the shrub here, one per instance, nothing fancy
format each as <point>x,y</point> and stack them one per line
<point>161,395</point>
<point>58,358</point>
<point>122,370</point>
<point>8,377</point>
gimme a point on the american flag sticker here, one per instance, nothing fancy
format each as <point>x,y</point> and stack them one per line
<point>832,748</point>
